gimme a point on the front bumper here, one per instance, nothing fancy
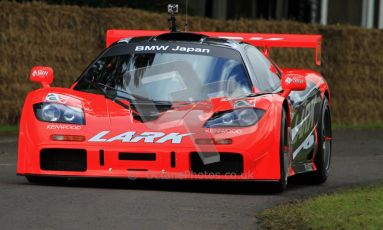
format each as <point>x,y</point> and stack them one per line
<point>259,160</point>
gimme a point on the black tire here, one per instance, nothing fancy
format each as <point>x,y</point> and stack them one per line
<point>281,185</point>
<point>323,156</point>
<point>46,180</point>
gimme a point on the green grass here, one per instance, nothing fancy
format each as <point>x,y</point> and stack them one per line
<point>357,208</point>
<point>9,129</point>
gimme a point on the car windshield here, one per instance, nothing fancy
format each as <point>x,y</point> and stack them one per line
<point>175,74</point>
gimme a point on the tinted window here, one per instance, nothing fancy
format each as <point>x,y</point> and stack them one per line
<point>169,76</point>
<point>266,79</point>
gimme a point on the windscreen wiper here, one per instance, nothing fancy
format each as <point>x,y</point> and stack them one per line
<point>110,94</point>
<point>129,96</point>
<point>134,99</point>
<point>138,99</point>
<point>257,94</point>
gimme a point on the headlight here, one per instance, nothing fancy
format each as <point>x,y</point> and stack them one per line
<point>59,113</point>
<point>235,118</point>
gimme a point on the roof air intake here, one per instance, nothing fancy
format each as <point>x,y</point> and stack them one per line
<point>181,36</point>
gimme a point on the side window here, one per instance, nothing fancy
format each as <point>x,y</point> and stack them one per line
<point>265,72</point>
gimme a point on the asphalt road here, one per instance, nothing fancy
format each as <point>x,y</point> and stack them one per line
<point>157,204</point>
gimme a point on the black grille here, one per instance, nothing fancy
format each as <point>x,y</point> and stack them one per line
<point>63,159</point>
<point>181,37</point>
<point>172,159</point>
<point>149,111</point>
<point>229,164</point>
<point>137,156</point>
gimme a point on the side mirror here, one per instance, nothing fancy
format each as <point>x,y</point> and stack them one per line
<point>42,75</point>
<point>292,82</point>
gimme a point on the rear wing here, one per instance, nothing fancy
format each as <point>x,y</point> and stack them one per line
<point>266,41</point>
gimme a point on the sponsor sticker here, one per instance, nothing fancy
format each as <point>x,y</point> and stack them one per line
<point>40,73</point>
<point>225,131</point>
<point>295,80</point>
<point>175,49</point>
<point>64,127</point>
<point>146,137</point>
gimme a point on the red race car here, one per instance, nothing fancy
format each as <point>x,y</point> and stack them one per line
<point>179,105</point>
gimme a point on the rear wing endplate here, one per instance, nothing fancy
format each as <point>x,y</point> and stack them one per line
<point>266,41</point>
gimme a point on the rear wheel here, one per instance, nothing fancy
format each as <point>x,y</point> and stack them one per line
<point>46,180</point>
<point>323,156</point>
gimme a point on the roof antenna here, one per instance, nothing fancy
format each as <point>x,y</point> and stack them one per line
<point>186,18</point>
<point>172,10</point>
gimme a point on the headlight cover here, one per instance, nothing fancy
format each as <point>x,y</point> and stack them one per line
<point>235,118</point>
<point>58,113</point>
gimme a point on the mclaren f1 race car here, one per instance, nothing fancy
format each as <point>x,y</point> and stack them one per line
<point>181,105</point>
